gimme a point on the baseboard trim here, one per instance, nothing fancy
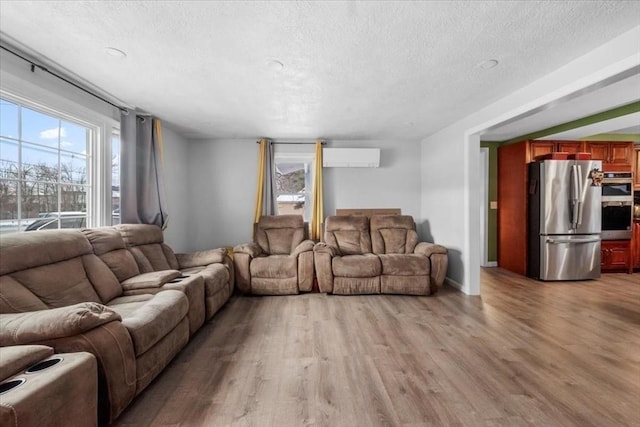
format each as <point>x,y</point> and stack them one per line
<point>491,264</point>
<point>453,283</point>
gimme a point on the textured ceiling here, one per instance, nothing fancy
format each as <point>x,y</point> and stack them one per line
<point>351,70</point>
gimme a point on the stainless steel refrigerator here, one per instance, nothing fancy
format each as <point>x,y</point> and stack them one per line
<point>564,207</point>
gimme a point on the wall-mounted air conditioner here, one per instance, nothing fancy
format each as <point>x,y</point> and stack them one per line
<point>350,157</point>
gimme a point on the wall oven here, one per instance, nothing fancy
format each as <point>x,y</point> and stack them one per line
<point>617,206</point>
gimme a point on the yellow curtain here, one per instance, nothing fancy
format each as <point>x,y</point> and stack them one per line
<point>262,160</point>
<point>317,207</point>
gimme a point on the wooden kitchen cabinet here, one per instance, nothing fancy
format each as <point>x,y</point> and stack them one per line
<point>615,255</point>
<point>636,169</point>
<point>615,156</point>
<point>636,243</point>
<point>540,148</point>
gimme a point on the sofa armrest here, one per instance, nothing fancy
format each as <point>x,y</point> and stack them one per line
<point>322,256</point>
<point>16,358</point>
<point>304,246</point>
<point>241,265</point>
<point>323,248</point>
<point>427,249</point>
<point>44,325</point>
<point>151,280</point>
<point>251,249</point>
<point>200,258</point>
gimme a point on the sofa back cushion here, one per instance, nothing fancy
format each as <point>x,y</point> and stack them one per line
<point>49,265</point>
<point>393,234</point>
<point>279,234</point>
<point>21,251</point>
<point>146,244</point>
<point>109,245</point>
<point>348,234</point>
<point>15,298</point>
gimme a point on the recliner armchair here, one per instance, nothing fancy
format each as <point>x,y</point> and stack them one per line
<point>279,261</point>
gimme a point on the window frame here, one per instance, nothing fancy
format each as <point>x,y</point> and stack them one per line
<point>288,154</point>
<point>98,150</point>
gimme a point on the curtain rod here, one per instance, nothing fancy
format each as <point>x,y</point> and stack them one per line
<point>34,66</point>
<point>294,143</point>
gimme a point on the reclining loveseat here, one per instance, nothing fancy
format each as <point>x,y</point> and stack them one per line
<point>381,255</point>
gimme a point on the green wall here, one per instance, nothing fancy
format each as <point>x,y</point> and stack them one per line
<point>492,214</point>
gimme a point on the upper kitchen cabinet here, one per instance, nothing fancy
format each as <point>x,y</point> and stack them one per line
<point>540,148</point>
<point>636,170</point>
<point>615,156</point>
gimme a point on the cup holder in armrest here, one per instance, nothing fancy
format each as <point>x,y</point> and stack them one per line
<point>10,385</point>
<point>45,364</point>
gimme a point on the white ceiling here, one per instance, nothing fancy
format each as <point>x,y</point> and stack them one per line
<point>351,70</point>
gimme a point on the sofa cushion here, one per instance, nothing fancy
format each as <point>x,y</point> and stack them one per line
<point>146,243</point>
<point>367,265</point>
<point>102,278</point>
<point>148,318</point>
<point>274,267</point>
<point>15,298</point>
<point>154,279</point>
<point>393,234</point>
<point>279,234</point>
<point>59,284</point>
<point>349,234</point>
<point>21,251</point>
<point>109,245</point>
<point>404,265</point>
<point>216,277</point>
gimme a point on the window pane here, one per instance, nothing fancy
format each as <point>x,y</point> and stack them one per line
<point>40,128</point>
<point>8,206</point>
<point>73,137</point>
<point>73,168</point>
<point>115,179</point>
<point>8,159</point>
<point>8,119</point>
<point>38,199</point>
<point>39,163</point>
<point>291,184</point>
<point>73,200</point>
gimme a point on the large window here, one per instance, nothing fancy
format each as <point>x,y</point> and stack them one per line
<point>48,176</point>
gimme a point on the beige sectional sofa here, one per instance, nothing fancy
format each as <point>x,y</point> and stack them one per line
<point>84,291</point>
<point>381,255</point>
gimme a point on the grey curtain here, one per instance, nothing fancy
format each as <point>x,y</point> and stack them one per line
<point>142,195</point>
<point>270,206</point>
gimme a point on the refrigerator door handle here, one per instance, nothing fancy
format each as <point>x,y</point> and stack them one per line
<point>580,196</point>
<point>574,197</point>
<point>559,241</point>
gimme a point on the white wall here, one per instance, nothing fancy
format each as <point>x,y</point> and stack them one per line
<point>176,173</point>
<point>454,222</point>
<point>222,190</point>
<point>395,184</point>
<point>222,177</point>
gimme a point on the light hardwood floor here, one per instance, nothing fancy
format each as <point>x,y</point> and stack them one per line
<point>525,353</point>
